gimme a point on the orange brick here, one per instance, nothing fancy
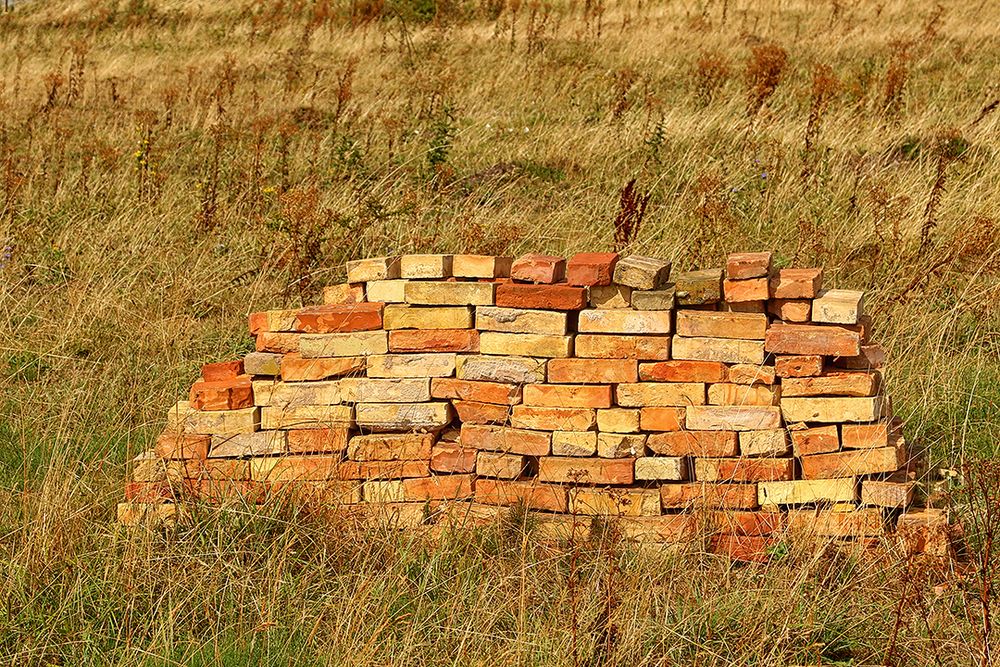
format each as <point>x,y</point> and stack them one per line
<point>296,369</point>
<point>219,490</point>
<point>663,529</point>
<point>790,310</point>
<point>623,346</point>
<point>743,265</point>
<point>751,374</point>
<point>471,412</point>
<point>438,487</point>
<point>382,469</point>
<point>853,462</point>
<point>817,440</point>
<point>531,494</point>
<point>231,394</point>
<point>578,470</point>
<point>339,318</point>
<point>798,366</point>
<point>568,395</point>
<point>317,440</point>
<point>682,371</point>
<point>344,293</point>
<point>390,447</point>
<point>453,457</point>
<point>547,297</point>
<point>182,446</point>
<point>720,496</point>
<point>796,284</point>
<point>289,468</point>
<point>661,418</point>
<point>746,523</point>
<point>591,268</point>
<point>148,492</point>
<point>865,436</point>
<point>743,469</point>
<point>592,371</point>
<point>746,548</point>
<point>223,370</point>
<point>833,384</point>
<point>742,291</point>
<point>282,343</point>
<point>694,443</point>
<point>434,340</point>
<point>472,390</point>
<point>804,339</point>
<point>867,522</point>
<point>553,419</point>
<point>742,394</point>
<point>871,356</point>
<point>537,268</point>
<point>513,440</point>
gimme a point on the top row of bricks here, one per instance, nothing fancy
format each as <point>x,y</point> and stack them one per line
<point>581,270</point>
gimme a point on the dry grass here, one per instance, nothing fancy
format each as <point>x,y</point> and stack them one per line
<point>165,167</point>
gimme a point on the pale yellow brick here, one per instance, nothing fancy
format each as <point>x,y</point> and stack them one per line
<point>610,296</point>
<point>294,394</point>
<point>306,416</point>
<point>729,351</point>
<point>260,443</point>
<point>618,420</point>
<point>244,420</point>
<point>403,416</point>
<point>392,390</point>
<point>833,410</point>
<point>375,268</point>
<point>574,443</point>
<point>500,465</point>
<point>661,468</point>
<point>800,492</point>
<point>521,320</point>
<point>356,344</point>
<point>450,294</point>
<point>625,321</point>
<point>383,491</point>
<point>399,316</point>
<point>620,445</point>
<point>425,266</point>
<point>766,442</point>
<point>386,291</point>
<point>615,502</point>
<point>424,365</point>
<point>526,345</point>
<point>506,369</point>
<point>663,394</point>
<point>838,306</point>
<point>731,418</point>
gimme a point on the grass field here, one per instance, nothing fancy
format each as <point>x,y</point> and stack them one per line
<point>167,167</point>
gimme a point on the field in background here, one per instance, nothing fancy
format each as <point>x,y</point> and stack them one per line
<point>167,167</point>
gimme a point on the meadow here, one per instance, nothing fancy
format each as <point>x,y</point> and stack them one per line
<point>168,166</point>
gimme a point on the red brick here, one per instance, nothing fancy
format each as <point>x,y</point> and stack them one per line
<point>182,446</point>
<point>796,283</point>
<point>798,366</point>
<point>694,443</point>
<point>586,470</point>
<point>317,440</point>
<point>434,340</point>
<point>223,370</point>
<point>282,343</point>
<point>817,440</point>
<point>720,496</point>
<point>865,436</point>
<point>743,265</point>
<point>592,371</point>
<point>471,412</point>
<point>513,440</point>
<point>568,395</point>
<point>746,548</point>
<point>591,268</point>
<point>743,469</point>
<point>257,322</point>
<point>683,371</point>
<point>537,268</point>
<point>472,390</point>
<point>790,310</point>
<point>661,418</point>
<point>741,291</point>
<point>453,457</point>
<point>222,395</point>
<point>531,494</point>
<point>804,339</point>
<point>833,384</point>
<point>746,523</point>
<point>548,297</point>
<point>600,346</point>
<point>867,522</point>
<point>853,462</point>
<point>296,369</point>
<point>870,356</point>
<point>339,318</point>
<point>553,419</point>
<point>438,487</point>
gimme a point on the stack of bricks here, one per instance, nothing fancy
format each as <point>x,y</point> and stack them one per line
<point>439,388</point>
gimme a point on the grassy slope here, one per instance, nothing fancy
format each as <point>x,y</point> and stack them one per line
<point>497,128</point>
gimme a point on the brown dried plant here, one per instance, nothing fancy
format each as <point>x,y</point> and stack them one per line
<point>631,210</point>
<point>949,146</point>
<point>824,88</point>
<point>896,76</point>
<point>712,70</point>
<point>763,74</point>
<point>624,80</point>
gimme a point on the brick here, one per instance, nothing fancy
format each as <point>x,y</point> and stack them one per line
<point>294,394</point>
<point>712,496</point>
<point>742,291</point>
<point>500,465</point>
<point>510,370</point>
<point>453,457</point>
<point>833,409</point>
<point>296,467</point>
<point>660,394</point>
<point>615,502</point>
<point>278,343</point>
<point>642,272</point>
<point>926,531</point>
<point>296,369</point>
<point>790,310</point>
<point>895,495</point>
<point>501,439</point>
<point>220,469</point>
<point>741,522</point>
<point>623,347</point>
<point>425,266</point>
<point>664,529</point>
<point>390,447</point>
<point>801,492</point>
<point>853,463</point>
<point>545,297</point>
<point>521,320</point>
<point>610,296</point>
<point>729,351</point>
<point>694,443</point>
<point>759,307</point>
<point>223,370</point>
<point>766,442</point>
<point>634,322</point>
<point>481,266</point>
<point>273,321</point>
<point>568,396</point>
<point>382,469</point>
<point>743,265</point>
<point>553,419</point>
<point>696,288</point>
<point>171,445</point>
<point>438,487</point>
<point>591,268</point>
<point>244,420</point>
<point>434,340</point>
<point>834,384</point>
<point>743,548</point>
<point>586,470</point>
<point>375,268</point>
<point>867,522</point>
<point>526,345</point>
<point>305,416</point>
<point>838,306</point>
<point>538,268</point>
<point>403,416</point>
<point>714,324</point>
<point>618,420</point>
<point>796,283</point>
<point>742,394</point>
<point>660,468</point>
<point>574,443</point>
<point>339,319</point>
<point>149,492</point>
<point>262,363</point>
<point>383,491</point>
<point>592,371</point>
<point>528,493</point>
<point>449,294</point>
<point>230,394</point>
<point>662,299</point>
<point>743,469</point>
<point>318,492</point>
<point>682,371</point>
<point>804,339</point>
<point>661,419</point>
<point>480,392</point>
<point>358,344</point>
<point>865,436</point>
<point>260,443</point>
<point>620,445</point>
<point>870,357</point>
<point>400,316</point>
<point>318,440</point>
<point>751,374</point>
<point>472,412</point>
<point>147,514</point>
<point>387,291</point>
<point>798,366</point>
<point>344,293</point>
<point>412,365</point>
<point>816,440</point>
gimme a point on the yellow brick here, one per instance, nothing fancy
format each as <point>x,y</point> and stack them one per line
<point>526,345</point>
<point>403,416</point>
<point>800,492</point>
<point>521,320</point>
<point>434,364</point>
<point>386,291</point>
<point>663,394</point>
<point>375,268</point>
<point>625,321</point>
<point>425,266</point>
<point>615,502</point>
<point>306,416</point>
<point>450,294</point>
<point>398,316</point>
<point>729,351</point>
<point>618,420</point>
<point>357,344</point>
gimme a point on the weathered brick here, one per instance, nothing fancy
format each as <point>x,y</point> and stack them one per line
<point>172,445</point>
<point>832,410</point>
<point>500,465</point>
<point>864,436</point>
<point>696,288</point>
<point>642,272</point>
<point>694,443</point>
<point>892,494</point>
<point>790,310</point>
<point>382,469</point>
<point>296,369</point>
<point>344,293</point>
<point>714,324</point>
<point>390,447</point>
<point>662,299</point>
<point>682,371</point>
<point>749,290</point>
<point>796,283</point>
<point>278,343</point>
<point>568,395</point>
<point>231,394</point>
<point>273,321</point>
<point>838,306</point>
<point>521,320</point>
<point>383,491</point>
<point>306,416</point>
<point>798,366</point>
<point>801,492</point>
<point>620,445</point>
<point>743,548</point>
<point>537,268</point>
<point>661,419</point>
<point>423,365</point>
<point>713,496</point>
<point>472,412</point>
<point>294,394</point>
<point>402,316</point>
<point>449,294</point>
<point>866,522</point>
<point>729,351</point>
<point>833,384</point>
<point>387,291</point>
<point>660,468</point>
<point>574,443</point>
<point>804,339</point>
<point>743,394</point>
<point>592,371</point>
<point>618,420</point>
<point>525,345</point>
<point>591,268</point>
<point>511,370</point>
<point>481,392</point>
<point>318,492</point>
<point>637,322</point>
<point>751,374</point>
<point>295,467</point>
<point>262,363</point>
<point>438,487</point>
<point>238,445</point>
<point>816,440</point>
<point>403,416</point>
<point>758,306</point>
<point>481,266</point>
<point>425,266</point>
<point>358,344</point>
<point>743,265</point>
<point>553,419</point>
<point>586,470</point>
<point>743,469</point>
<point>871,356</point>
<point>502,439</point>
<point>853,462</point>
<point>434,340</point>
<point>545,297</point>
<point>623,347</point>
<point>660,394</point>
<point>610,296</point>
<point>375,268</point>
<point>453,457</point>
<point>664,529</point>
<point>615,502</point>
<point>318,440</point>
<point>766,442</point>
<point>339,319</point>
<point>222,370</point>
<point>244,420</point>
<point>746,522</point>
<point>531,494</point>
